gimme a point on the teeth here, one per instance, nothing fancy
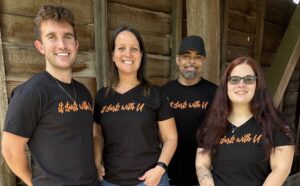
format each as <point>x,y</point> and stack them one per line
<point>62,54</point>
<point>128,62</point>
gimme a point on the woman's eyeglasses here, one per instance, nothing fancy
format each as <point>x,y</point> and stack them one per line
<point>234,80</point>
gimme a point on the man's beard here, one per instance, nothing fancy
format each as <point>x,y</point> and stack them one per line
<point>189,74</point>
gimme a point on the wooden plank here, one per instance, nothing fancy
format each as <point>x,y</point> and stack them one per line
<point>27,61</point>
<point>145,21</point>
<point>285,59</point>
<point>225,34</point>
<point>159,45</point>
<point>83,12</point>
<point>272,36</point>
<point>18,30</point>
<point>176,34</point>
<point>234,52</point>
<point>7,178</point>
<point>260,22</point>
<point>203,18</point>
<point>101,46</point>
<point>159,81</point>
<point>278,4</point>
<point>246,7</point>
<point>158,6</point>
<point>158,66</point>
<point>242,39</point>
<point>278,19</point>
<point>241,22</point>
<point>267,58</point>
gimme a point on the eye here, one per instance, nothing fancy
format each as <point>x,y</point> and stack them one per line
<point>249,79</point>
<point>120,49</point>
<point>234,80</point>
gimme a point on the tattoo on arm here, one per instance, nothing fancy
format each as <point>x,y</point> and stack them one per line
<point>204,176</point>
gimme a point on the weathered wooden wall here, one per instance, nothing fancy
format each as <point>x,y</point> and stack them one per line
<point>22,60</point>
<point>153,21</point>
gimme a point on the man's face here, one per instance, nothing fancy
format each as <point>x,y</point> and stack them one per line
<point>58,44</point>
<point>190,65</point>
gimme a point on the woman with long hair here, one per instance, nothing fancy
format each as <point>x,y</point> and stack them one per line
<point>244,139</point>
<point>136,135</point>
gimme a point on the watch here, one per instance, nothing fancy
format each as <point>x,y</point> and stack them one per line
<point>163,165</point>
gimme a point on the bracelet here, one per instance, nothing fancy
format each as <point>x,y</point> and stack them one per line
<point>162,165</point>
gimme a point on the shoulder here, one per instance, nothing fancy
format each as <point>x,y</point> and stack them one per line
<point>169,84</point>
<point>208,84</point>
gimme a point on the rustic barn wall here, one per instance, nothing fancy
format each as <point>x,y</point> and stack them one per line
<point>153,21</point>
<point>22,60</point>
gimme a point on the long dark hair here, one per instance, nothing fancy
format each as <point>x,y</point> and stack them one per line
<point>262,108</point>
<point>113,70</point>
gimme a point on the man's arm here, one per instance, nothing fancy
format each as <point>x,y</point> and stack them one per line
<point>14,153</point>
<point>203,166</point>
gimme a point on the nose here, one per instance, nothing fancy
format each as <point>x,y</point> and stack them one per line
<point>61,43</point>
<point>127,53</point>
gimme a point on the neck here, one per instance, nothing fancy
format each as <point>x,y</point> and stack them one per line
<point>126,82</point>
<point>188,82</point>
<point>239,114</point>
<point>62,75</point>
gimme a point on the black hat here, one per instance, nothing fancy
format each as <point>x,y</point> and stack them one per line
<point>192,43</point>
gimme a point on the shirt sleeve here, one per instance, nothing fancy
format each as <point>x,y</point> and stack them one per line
<point>23,113</point>
<point>164,110</point>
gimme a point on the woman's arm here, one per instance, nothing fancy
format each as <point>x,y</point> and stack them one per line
<point>168,132</point>
<point>281,160</point>
<point>203,166</point>
<point>98,148</point>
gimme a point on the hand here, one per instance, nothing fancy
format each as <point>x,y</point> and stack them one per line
<point>152,177</point>
<point>101,171</point>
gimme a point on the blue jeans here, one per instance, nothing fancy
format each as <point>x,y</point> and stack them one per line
<point>164,181</point>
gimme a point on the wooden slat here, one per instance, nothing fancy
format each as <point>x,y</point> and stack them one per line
<point>159,6</point>
<point>7,178</point>
<point>159,81</point>
<point>145,21</point>
<point>19,30</point>
<point>225,34</point>
<point>242,39</point>
<point>234,52</point>
<point>260,22</point>
<point>278,19</point>
<point>83,12</point>
<point>203,18</point>
<point>241,22</point>
<point>101,50</point>
<point>285,59</point>
<point>272,36</point>
<point>158,66</point>
<point>27,61</point>
<point>247,7</point>
<point>176,34</point>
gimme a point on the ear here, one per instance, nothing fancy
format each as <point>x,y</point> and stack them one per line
<point>77,44</point>
<point>39,46</point>
<point>177,60</point>
<point>113,56</point>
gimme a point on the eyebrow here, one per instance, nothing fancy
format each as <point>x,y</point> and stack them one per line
<point>66,34</point>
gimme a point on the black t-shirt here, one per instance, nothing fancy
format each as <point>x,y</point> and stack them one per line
<point>240,158</point>
<point>189,104</point>
<point>59,130</point>
<point>130,128</point>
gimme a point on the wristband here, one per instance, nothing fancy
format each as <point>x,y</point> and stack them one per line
<point>162,165</point>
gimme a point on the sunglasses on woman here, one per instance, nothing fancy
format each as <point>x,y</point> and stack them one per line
<point>234,80</point>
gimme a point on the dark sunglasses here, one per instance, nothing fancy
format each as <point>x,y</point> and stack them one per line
<point>234,80</point>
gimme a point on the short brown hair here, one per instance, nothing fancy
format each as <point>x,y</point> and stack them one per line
<point>56,13</point>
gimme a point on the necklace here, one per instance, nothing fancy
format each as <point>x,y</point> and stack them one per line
<point>233,128</point>
<point>59,85</point>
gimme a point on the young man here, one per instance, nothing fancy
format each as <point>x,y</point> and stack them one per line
<point>52,113</point>
<point>189,96</point>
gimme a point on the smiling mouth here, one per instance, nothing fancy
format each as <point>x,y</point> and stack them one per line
<point>190,68</point>
<point>128,62</point>
<point>63,54</point>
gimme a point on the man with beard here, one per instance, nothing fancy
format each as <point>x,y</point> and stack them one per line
<point>189,96</point>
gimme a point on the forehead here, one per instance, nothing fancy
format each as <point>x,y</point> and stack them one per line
<point>126,37</point>
<point>51,26</point>
<point>242,70</point>
<point>191,52</point>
